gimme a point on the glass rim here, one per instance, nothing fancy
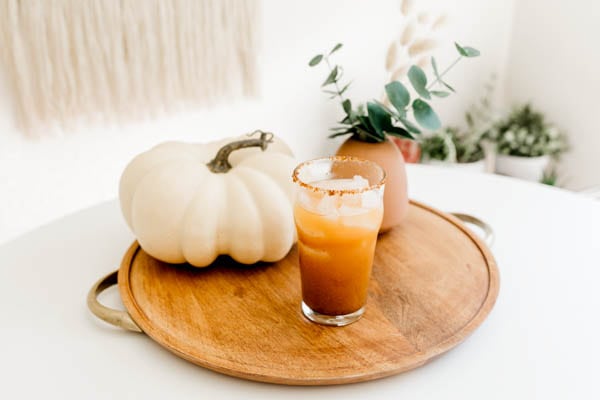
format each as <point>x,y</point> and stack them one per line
<point>331,192</point>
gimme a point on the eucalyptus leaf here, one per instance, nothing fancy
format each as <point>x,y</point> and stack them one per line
<point>409,125</point>
<point>450,88</point>
<point>471,51</point>
<point>439,93</point>
<point>331,77</point>
<point>435,68</point>
<point>315,60</point>
<point>418,80</point>
<point>398,95</point>
<point>439,79</point>
<point>336,48</point>
<point>460,49</point>
<point>425,115</point>
<point>466,51</point>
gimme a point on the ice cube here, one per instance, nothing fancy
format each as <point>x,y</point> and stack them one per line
<point>371,198</point>
<point>328,205</point>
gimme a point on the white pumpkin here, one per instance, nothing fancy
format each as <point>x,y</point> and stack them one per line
<point>181,211</point>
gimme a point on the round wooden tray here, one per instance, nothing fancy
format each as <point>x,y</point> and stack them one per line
<point>433,283</point>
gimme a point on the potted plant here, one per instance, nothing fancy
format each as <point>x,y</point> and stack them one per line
<point>368,125</point>
<point>526,143</point>
<point>452,147</point>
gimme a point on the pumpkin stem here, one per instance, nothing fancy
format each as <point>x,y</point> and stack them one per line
<point>220,163</point>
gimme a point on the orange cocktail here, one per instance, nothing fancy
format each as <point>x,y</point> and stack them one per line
<point>338,213</point>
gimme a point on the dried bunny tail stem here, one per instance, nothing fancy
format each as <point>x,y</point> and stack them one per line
<point>392,57</point>
<point>77,60</point>
<point>439,22</point>
<point>421,46</point>
<point>408,33</point>
<point>424,18</point>
<point>407,7</point>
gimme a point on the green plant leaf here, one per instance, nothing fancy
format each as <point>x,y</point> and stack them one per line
<point>450,88</point>
<point>346,132</point>
<point>345,121</point>
<point>439,93</point>
<point>315,60</point>
<point>439,80</point>
<point>418,80</point>
<point>435,68</point>
<point>425,115</point>
<point>466,51</point>
<point>398,95</point>
<point>386,108</point>
<point>366,125</point>
<point>460,49</point>
<point>360,110</point>
<point>347,106</point>
<point>397,131</point>
<point>409,125</point>
<point>339,128</point>
<point>471,51</point>
<point>344,89</point>
<point>336,48</point>
<point>367,129</point>
<point>331,77</point>
<point>380,119</point>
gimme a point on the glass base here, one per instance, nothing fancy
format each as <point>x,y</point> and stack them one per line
<point>332,320</point>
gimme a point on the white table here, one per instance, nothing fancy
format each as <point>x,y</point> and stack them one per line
<point>540,340</point>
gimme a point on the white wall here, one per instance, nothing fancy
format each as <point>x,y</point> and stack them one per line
<point>554,63</point>
<point>43,179</point>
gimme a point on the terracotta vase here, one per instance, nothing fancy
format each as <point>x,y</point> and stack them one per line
<point>386,154</point>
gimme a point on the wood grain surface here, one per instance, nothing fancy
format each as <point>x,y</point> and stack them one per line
<point>433,283</point>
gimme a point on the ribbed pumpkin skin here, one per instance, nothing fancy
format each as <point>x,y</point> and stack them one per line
<point>180,211</point>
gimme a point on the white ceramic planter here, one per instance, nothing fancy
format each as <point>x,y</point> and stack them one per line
<point>477,166</point>
<point>528,168</point>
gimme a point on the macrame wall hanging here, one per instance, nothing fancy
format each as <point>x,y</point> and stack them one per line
<point>72,61</point>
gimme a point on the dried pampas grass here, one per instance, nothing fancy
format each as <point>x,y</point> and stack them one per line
<point>416,40</point>
<point>69,60</point>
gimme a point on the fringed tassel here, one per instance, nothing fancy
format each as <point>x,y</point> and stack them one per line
<point>72,61</point>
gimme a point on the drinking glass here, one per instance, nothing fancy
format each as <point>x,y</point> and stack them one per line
<point>338,212</point>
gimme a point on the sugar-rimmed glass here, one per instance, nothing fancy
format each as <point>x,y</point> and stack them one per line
<point>338,212</point>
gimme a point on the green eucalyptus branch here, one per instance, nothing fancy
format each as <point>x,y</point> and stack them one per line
<point>335,82</point>
<point>380,120</point>
<point>439,77</point>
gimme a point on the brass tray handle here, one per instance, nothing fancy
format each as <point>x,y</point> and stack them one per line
<point>114,317</point>
<point>488,232</point>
